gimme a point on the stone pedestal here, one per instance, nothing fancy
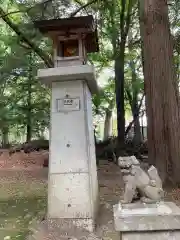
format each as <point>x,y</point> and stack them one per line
<point>138,221</point>
<point>73,186</point>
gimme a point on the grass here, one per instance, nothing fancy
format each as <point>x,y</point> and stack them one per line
<point>21,202</point>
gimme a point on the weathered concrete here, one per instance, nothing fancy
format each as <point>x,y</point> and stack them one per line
<point>73,184</point>
<point>138,221</point>
<point>139,184</point>
<point>125,164</point>
<point>69,73</point>
<point>128,161</point>
<point>166,235</point>
<point>110,186</point>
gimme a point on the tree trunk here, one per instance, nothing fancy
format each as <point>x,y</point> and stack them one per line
<point>137,129</point>
<point>134,104</point>
<point>95,141</point>
<point>108,124</point>
<point>29,99</point>
<point>119,89</point>
<point>119,73</point>
<point>135,115</point>
<point>5,137</point>
<point>119,52</point>
<point>161,98</point>
<point>28,129</point>
<point>142,127</point>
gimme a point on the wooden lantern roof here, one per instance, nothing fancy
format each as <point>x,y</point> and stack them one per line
<point>72,25</point>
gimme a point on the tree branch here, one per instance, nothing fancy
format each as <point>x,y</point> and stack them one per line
<point>123,5</point>
<point>10,13</point>
<point>47,60</point>
<point>82,7</point>
<point>26,10</point>
<point>129,97</point>
<point>128,18</point>
<point>135,117</point>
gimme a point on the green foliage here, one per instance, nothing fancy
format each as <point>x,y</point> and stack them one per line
<point>18,72</point>
<point>105,99</point>
<point>16,69</point>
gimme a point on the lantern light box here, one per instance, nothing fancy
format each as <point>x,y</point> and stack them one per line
<point>72,38</point>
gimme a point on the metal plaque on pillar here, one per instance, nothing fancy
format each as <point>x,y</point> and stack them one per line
<point>68,104</point>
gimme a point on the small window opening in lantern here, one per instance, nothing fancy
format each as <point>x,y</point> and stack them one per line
<point>69,48</point>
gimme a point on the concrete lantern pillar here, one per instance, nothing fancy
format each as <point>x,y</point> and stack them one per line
<point>73,184</point>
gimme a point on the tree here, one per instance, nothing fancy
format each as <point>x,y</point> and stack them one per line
<point>118,29</point>
<point>161,89</point>
<point>24,102</point>
<point>133,92</point>
<point>103,105</point>
<point>109,104</point>
<point>123,12</point>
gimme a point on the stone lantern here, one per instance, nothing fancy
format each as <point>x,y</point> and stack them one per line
<point>72,38</point>
<point>73,185</point>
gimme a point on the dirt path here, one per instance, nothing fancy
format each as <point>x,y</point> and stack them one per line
<point>21,160</point>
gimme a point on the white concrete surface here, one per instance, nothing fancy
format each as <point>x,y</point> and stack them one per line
<point>69,73</point>
<point>69,196</point>
<point>73,184</point>
<point>167,235</point>
<point>139,221</point>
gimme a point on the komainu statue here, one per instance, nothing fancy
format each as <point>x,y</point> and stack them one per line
<point>146,186</point>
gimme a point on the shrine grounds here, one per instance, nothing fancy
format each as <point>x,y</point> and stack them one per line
<point>23,195</point>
